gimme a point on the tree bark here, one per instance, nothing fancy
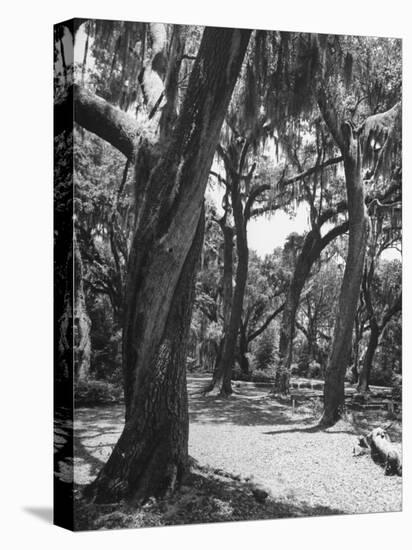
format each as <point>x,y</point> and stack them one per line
<point>228,238</point>
<point>382,448</point>
<point>228,241</point>
<point>364,375</point>
<point>82,323</point>
<point>110,123</point>
<point>334,390</point>
<point>243,350</point>
<point>229,346</point>
<point>221,383</point>
<point>287,327</point>
<point>151,454</point>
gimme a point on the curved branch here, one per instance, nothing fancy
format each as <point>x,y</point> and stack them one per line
<point>249,213</point>
<point>252,197</point>
<point>96,115</point>
<point>269,319</point>
<point>391,311</point>
<point>333,233</point>
<point>313,169</point>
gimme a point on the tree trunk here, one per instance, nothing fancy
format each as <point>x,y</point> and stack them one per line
<point>243,350</point>
<point>287,327</point>
<point>82,323</point>
<point>382,449</point>
<point>227,275</point>
<point>151,454</point>
<point>311,251</point>
<point>334,391</point>
<point>222,380</point>
<point>364,376</point>
<point>356,345</point>
<point>215,386</point>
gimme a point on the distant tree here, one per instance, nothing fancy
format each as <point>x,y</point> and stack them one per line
<point>381,285</point>
<point>372,143</point>
<point>265,350</point>
<point>264,302</point>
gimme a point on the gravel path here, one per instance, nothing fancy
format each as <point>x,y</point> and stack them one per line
<point>259,438</point>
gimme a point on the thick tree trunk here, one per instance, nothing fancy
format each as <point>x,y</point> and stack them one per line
<point>150,456</point>
<point>334,391</point>
<point>364,375</point>
<point>167,206</point>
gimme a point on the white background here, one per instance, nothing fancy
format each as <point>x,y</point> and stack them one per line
<point>26,272</point>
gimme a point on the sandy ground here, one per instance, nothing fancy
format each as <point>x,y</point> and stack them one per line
<point>256,437</point>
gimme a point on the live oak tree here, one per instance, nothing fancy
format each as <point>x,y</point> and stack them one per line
<point>323,67</point>
<point>171,171</point>
<point>321,213</point>
<point>381,289</point>
<point>335,77</point>
<point>373,140</point>
<point>237,183</point>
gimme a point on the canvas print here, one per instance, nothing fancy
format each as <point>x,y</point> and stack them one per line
<point>227,262</point>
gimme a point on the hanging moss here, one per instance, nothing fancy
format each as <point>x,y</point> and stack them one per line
<point>381,140</point>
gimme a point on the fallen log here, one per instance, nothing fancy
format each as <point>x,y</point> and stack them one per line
<point>382,450</point>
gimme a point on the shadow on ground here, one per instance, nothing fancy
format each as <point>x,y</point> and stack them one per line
<point>247,406</point>
<point>43,513</point>
<point>96,433</point>
<point>205,498</point>
<point>250,405</point>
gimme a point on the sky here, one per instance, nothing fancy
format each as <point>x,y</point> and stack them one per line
<point>265,234</point>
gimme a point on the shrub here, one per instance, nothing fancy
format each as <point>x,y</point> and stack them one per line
<point>265,350</point>
<point>266,375</point>
<point>238,374</point>
<point>397,387</point>
<point>314,370</point>
<point>381,376</point>
<point>294,369</point>
<point>97,392</point>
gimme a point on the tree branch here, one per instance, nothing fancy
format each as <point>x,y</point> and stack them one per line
<point>269,319</point>
<point>333,233</point>
<point>252,197</point>
<point>249,213</point>
<point>96,115</point>
<point>396,306</point>
<point>312,170</point>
